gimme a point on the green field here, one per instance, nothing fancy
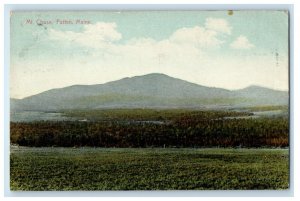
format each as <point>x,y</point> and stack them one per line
<point>147,168</point>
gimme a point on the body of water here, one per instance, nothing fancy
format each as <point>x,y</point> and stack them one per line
<point>27,116</point>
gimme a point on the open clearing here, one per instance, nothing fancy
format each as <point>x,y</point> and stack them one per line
<point>147,168</point>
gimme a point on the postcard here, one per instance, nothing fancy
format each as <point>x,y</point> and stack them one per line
<point>149,100</point>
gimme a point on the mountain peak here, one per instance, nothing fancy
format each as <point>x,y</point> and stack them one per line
<point>259,88</point>
<point>156,74</point>
<point>150,76</point>
<point>254,87</point>
<point>153,75</point>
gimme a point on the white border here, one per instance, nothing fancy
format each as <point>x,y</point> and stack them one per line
<point>293,80</point>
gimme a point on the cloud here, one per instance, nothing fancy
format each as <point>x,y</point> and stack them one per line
<point>184,44</point>
<point>198,36</point>
<point>94,35</point>
<point>105,35</point>
<point>218,24</point>
<point>241,42</point>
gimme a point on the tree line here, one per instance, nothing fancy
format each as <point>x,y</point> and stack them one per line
<point>186,131</point>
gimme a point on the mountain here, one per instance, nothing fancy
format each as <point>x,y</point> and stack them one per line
<point>263,96</point>
<point>147,91</point>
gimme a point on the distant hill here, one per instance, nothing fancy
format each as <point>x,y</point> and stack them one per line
<point>147,91</point>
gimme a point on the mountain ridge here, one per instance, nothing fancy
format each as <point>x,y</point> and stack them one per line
<point>150,90</point>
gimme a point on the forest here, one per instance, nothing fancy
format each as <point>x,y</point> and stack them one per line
<point>154,128</point>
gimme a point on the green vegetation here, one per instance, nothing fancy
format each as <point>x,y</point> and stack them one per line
<point>185,162</point>
<point>148,169</point>
<point>154,128</point>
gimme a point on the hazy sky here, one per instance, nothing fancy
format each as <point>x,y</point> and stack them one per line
<point>211,48</point>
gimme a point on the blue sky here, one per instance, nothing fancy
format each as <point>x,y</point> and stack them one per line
<point>211,48</point>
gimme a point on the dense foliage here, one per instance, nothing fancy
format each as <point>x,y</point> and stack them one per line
<point>151,128</point>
